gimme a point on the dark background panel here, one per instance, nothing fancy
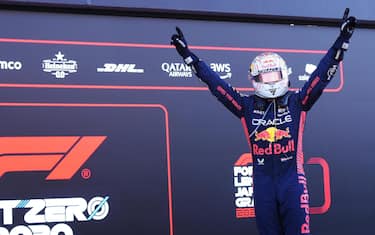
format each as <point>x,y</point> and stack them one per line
<point>206,139</point>
<point>134,178</point>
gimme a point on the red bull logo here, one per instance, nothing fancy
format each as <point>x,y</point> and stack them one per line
<point>272,134</point>
<point>274,148</point>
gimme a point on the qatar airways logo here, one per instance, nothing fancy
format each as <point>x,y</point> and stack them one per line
<point>177,70</point>
<point>38,213</point>
<point>182,70</point>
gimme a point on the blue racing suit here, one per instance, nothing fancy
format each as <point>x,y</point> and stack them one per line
<point>275,131</point>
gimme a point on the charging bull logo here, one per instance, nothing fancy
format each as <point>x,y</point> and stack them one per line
<point>272,134</point>
<point>61,155</point>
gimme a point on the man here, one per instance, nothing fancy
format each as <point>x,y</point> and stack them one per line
<point>274,118</point>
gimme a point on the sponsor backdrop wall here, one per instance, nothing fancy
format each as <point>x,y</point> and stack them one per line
<point>105,130</point>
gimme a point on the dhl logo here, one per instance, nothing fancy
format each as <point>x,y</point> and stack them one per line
<point>272,134</point>
<point>62,156</point>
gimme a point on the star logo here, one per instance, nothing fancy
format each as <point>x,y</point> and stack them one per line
<point>60,56</point>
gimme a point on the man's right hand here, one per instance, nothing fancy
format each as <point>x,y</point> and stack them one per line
<point>348,25</point>
<point>346,31</point>
<point>178,40</point>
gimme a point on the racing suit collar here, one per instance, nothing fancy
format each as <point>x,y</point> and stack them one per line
<point>262,103</point>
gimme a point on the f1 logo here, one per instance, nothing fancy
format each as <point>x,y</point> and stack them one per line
<point>61,155</point>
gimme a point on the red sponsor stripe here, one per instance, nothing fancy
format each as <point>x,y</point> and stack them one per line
<point>110,87</point>
<point>326,186</point>
<point>160,46</point>
<point>228,97</point>
<point>245,213</point>
<point>83,43</point>
<point>19,163</point>
<point>29,145</point>
<point>300,157</point>
<point>311,87</point>
<point>341,80</point>
<point>246,131</point>
<point>80,153</point>
<point>25,104</point>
